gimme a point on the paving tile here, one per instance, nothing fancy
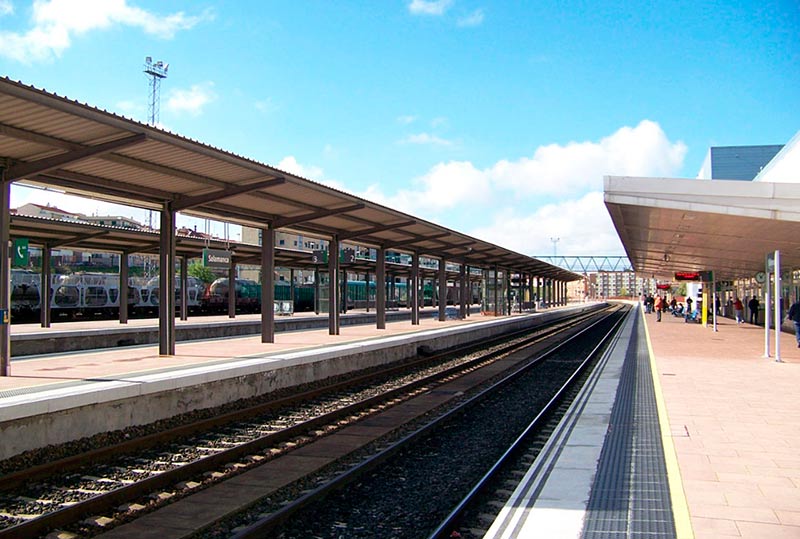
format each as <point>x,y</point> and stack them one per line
<point>713,527</point>
<point>757,530</point>
<point>741,469</point>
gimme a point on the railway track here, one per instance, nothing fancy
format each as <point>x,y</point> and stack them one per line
<point>141,474</point>
<point>409,487</point>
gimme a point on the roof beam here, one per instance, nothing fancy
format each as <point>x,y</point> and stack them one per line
<point>38,138</point>
<point>18,171</point>
<point>289,221</point>
<point>85,182</point>
<point>186,202</point>
<point>76,239</point>
<point>369,231</point>
<point>415,239</point>
<point>218,210</point>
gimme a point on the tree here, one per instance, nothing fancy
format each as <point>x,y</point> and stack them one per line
<point>199,271</point>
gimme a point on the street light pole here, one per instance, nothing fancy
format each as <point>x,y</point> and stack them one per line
<point>555,241</point>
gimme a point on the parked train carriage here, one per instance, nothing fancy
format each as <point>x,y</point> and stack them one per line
<point>24,293</point>
<point>92,294</point>
<point>195,290</point>
<point>357,294</point>
<point>248,296</point>
<point>88,294</point>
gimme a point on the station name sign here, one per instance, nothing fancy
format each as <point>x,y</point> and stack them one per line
<point>216,258</point>
<point>704,276</point>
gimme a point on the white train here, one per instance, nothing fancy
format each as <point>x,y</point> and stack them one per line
<point>90,294</point>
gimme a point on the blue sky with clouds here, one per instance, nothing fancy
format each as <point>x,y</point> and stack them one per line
<point>498,119</point>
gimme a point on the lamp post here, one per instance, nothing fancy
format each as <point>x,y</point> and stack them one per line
<point>555,241</point>
<point>156,71</point>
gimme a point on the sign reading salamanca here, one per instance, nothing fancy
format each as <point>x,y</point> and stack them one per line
<point>216,258</point>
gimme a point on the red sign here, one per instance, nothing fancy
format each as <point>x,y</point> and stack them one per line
<point>705,276</point>
<point>663,286</point>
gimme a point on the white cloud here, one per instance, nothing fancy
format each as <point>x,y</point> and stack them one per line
<point>290,164</point>
<point>643,150</point>
<point>446,186</point>
<point>131,109</point>
<point>582,225</point>
<point>192,100</point>
<point>55,22</point>
<point>406,120</point>
<point>6,7</point>
<point>429,7</point>
<point>473,19</point>
<point>439,122</point>
<point>572,173</point>
<point>426,138</point>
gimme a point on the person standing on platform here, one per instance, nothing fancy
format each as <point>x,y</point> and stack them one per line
<point>738,308</point>
<point>794,316</point>
<point>753,306</point>
<point>659,306</point>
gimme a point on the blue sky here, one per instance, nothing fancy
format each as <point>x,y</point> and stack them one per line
<point>497,119</point>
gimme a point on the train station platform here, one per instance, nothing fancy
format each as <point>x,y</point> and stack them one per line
<point>32,339</point>
<point>57,398</point>
<point>734,422</point>
<point>681,432</point>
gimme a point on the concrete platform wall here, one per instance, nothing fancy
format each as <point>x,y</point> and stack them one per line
<point>56,341</point>
<point>68,414</point>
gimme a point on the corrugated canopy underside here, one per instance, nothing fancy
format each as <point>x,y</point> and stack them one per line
<point>668,225</point>
<point>52,141</point>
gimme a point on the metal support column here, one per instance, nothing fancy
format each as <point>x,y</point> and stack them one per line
<point>531,293</point>
<point>268,285</point>
<point>5,274</point>
<point>367,289</point>
<point>380,288</point>
<point>316,290</point>
<point>495,296</point>
<point>545,292</point>
<point>166,282</point>
<point>291,287</point>
<point>507,286</point>
<point>333,285</point>
<point>45,314</point>
<point>462,292</point>
<point>767,306</point>
<point>123,287</point>
<point>414,297</point>
<point>539,292</point>
<point>778,313</point>
<point>343,292</point>
<point>232,289</point>
<point>442,290</point>
<point>184,288</point>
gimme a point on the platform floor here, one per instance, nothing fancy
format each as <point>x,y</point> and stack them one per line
<point>108,364</point>
<point>681,432</point>
<point>734,421</point>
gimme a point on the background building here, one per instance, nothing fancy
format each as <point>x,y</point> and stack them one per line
<point>736,162</point>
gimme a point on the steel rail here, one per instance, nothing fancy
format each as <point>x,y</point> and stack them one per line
<point>268,523</point>
<point>14,479</point>
<point>103,502</point>
<point>447,526</point>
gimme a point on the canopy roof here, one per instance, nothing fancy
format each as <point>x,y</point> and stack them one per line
<point>668,225</point>
<point>48,140</point>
